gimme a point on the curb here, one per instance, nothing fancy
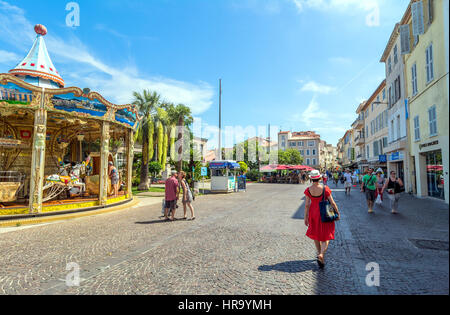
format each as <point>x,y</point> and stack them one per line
<point>38,220</point>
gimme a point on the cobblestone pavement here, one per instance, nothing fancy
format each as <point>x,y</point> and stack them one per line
<point>246,243</point>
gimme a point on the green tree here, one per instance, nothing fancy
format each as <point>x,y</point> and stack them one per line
<point>244,167</point>
<point>183,116</point>
<point>147,103</point>
<point>154,168</point>
<point>290,157</point>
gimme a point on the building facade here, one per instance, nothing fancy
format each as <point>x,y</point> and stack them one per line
<point>425,37</point>
<point>376,133</point>
<point>397,151</point>
<point>359,128</point>
<point>307,143</point>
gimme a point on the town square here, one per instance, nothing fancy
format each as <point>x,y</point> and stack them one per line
<point>218,148</point>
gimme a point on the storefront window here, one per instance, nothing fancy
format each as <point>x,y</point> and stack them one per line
<point>435,174</point>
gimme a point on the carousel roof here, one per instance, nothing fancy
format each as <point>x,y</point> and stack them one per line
<point>38,63</point>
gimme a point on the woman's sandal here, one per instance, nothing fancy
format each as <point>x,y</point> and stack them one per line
<point>320,262</point>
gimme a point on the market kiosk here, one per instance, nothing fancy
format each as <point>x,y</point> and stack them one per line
<point>223,176</point>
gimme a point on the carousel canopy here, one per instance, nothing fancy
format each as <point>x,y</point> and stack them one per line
<point>37,67</point>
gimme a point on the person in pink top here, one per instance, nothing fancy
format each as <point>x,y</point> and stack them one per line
<point>171,196</point>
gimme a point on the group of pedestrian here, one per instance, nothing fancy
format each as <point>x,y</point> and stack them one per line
<point>374,185</point>
<point>176,185</point>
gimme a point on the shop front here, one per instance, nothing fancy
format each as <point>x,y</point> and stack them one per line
<point>396,163</point>
<point>431,170</point>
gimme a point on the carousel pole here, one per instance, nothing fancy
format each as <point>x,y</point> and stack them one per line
<point>130,157</point>
<point>38,157</point>
<point>104,154</point>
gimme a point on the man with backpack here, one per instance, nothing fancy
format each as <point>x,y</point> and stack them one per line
<point>368,186</point>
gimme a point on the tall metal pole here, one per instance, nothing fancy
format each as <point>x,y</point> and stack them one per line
<point>220,119</point>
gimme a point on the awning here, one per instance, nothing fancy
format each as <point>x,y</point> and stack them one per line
<point>223,165</point>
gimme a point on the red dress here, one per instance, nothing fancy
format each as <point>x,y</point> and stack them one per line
<point>317,230</point>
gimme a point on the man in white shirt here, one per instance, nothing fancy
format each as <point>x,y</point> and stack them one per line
<point>348,182</point>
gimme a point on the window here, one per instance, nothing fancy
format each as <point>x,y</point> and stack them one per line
<point>398,127</point>
<point>302,152</point>
<point>432,121</point>
<point>311,143</point>
<point>314,162</point>
<point>292,144</point>
<point>390,96</point>
<point>375,149</point>
<point>367,131</point>
<point>384,94</point>
<point>385,142</point>
<point>301,144</point>
<point>386,112</point>
<point>429,59</point>
<point>368,152</point>
<point>313,153</point>
<point>308,162</point>
<point>392,131</point>
<point>389,65</point>
<point>414,79</point>
<point>395,54</point>
<point>283,144</point>
<point>307,152</point>
<point>416,128</point>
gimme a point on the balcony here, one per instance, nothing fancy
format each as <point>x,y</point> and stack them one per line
<point>360,141</point>
<point>358,124</point>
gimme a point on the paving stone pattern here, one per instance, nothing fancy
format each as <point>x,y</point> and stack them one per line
<point>246,243</point>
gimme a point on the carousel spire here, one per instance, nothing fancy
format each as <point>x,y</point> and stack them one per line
<point>37,68</point>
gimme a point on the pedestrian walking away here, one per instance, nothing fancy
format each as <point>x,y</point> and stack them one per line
<point>369,187</point>
<point>348,182</point>
<point>188,197</point>
<point>394,188</point>
<point>379,188</point>
<point>171,198</point>
<point>321,233</point>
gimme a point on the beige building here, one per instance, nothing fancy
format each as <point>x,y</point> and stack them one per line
<point>425,36</point>
<point>306,142</point>
<point>359,136</point>
<point>376,133</point>
<point>328,155</point>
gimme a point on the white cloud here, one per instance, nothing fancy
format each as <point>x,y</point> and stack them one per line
<point>116,84</point>
<point>8,57</point>
<point>312,86</point>
<point>371,7</point>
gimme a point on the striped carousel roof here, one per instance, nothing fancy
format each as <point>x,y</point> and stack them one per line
<point>38,63</point>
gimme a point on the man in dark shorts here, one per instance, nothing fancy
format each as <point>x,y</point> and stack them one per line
<point>171,196</point>
<point>369,186</point>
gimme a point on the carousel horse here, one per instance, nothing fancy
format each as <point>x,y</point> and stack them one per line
<point>68,179</point>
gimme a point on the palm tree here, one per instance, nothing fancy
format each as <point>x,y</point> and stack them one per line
<point>147,104</point>
<point>180,115</point>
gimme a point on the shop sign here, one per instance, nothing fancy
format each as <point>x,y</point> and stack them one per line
<point>382,158</point>
<point>397,156</point>
<point>428,144</point>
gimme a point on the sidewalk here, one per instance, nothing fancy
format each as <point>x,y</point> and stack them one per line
<point>411,248</point>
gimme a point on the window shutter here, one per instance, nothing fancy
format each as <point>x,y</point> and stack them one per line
<point>430,56</point>
<point>405,39</point>
<point>430,12</point>
<point>417,18</point>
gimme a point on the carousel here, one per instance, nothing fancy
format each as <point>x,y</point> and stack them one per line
<point>59,146</point>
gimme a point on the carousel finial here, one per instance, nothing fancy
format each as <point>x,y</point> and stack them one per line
<point>40,29</point>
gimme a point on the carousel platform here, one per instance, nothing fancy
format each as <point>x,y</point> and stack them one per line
<point>55,207</point>
<point>44,218</point>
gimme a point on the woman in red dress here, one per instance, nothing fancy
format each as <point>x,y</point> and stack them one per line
<point>318,231</point>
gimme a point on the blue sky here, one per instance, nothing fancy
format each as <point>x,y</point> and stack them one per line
<point>296,64</point>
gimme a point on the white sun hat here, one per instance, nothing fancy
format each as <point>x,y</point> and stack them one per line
<point>315,175</point>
